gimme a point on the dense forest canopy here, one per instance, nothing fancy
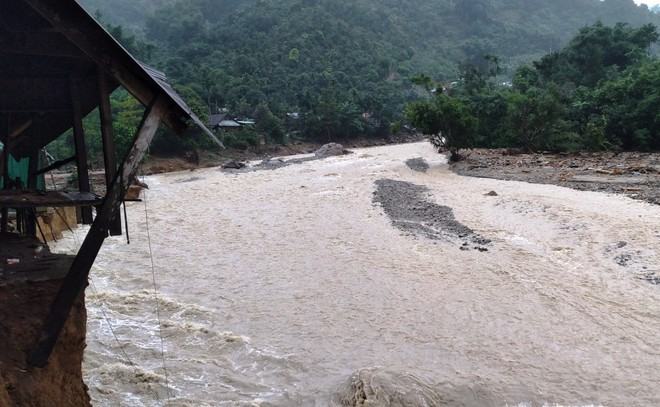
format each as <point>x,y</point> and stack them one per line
<point>344,66</point>
<point>602,91</point>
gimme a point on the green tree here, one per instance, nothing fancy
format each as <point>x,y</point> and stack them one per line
<point>446,121</point>
<point>269,124</point>
<point>533,118</point>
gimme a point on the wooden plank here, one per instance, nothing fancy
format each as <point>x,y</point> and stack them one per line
<point>109,150</point>
<point>55,165</point>
<point>81,148</point>
<point>77,278</point>
<point>41,265</point>
<point>55,199</point>
<point>20,129</point>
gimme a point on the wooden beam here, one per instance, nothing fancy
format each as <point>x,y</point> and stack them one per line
<point>55,165</point>
<point>4,170</point>
<point>77,278</point>
<point>31,221</point>
<point>81,148</point>
<point>36,110</point>
<point>29,199</point>
<point>20,129</point>
<point>109,150</point>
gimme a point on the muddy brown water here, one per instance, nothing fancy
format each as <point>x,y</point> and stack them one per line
<point>282,288</point>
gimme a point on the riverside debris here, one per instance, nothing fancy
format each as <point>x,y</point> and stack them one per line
<point>410,210</point>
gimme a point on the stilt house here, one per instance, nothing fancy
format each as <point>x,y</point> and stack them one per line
<point>57,64</point>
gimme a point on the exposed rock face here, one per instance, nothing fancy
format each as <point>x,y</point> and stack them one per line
<point>379,388</point>
<point>330,150</point>
<point>23,308</point>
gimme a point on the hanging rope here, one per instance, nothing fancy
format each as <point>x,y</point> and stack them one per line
<point>156,295</point>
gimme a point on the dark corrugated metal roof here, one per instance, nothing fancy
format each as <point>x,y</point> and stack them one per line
<point>161,79</point>
<point>215,119</point>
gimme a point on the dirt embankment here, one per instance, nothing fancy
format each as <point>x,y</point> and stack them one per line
<point>23,308</point>
<point>636,175</point>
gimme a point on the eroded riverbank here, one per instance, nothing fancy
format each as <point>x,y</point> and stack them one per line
<point>278,286</point>
<point>636,175</point>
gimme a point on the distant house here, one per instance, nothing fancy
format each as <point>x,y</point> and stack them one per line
<point>216,119</point>
<point>246,122</point>
<point>222,122</point>
<point>228,125</point>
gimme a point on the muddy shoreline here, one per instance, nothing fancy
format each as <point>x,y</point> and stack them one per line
<point>636,175</point>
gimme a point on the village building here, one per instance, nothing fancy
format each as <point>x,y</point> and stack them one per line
<point>228,125</point>
<point>222,122</point>
<point>215,119</point>
<point>58,65</point>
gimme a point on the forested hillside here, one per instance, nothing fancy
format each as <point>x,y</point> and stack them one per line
<point>598,93</point>
<point>337,62</point>
<point>131,14</point>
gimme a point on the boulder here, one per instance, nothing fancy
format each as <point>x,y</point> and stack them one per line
<point>330,150</point>
<point>234,165</point>
<point>381,388</point>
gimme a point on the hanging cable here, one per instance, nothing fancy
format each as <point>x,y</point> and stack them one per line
<point>127,359</point>
<point>156,295</point>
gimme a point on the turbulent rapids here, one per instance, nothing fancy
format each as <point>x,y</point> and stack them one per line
<point>299,286</point>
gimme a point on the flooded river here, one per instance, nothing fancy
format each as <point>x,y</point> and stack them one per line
<point>276,287</point>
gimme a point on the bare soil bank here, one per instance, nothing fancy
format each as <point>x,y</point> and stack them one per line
<point>636,175</point>
<point>23,308</point>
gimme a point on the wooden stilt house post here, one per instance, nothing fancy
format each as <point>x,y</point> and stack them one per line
<point>81,148</point>
<point>109,149</point>
<point>4,162</point>
<point>76,280</point>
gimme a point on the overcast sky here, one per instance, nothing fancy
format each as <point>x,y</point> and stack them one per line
<point>649,2</point>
